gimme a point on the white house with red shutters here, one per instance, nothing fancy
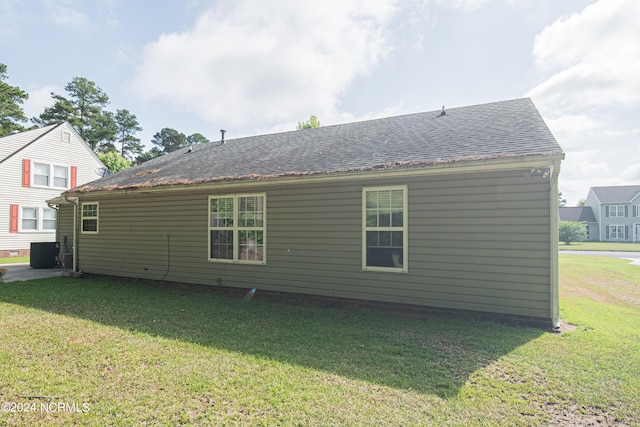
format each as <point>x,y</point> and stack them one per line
<point>35,166</point>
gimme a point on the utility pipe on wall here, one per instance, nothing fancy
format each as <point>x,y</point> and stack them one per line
<point>75,232</point>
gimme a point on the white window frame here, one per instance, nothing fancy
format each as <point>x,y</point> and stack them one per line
<point>40,220</point>
<point>51,177</point>
<point>618,210</point>
<point>613,227</point>
<point>92,217</point>
<point>43,220</point>
<point>404,229</point>
<point>236,229</point>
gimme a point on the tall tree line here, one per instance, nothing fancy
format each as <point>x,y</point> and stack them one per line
<point>84,106</point>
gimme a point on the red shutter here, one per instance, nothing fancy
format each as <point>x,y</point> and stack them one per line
<point>26,173</point>
<point>13,219</point>
<point>74,176</point>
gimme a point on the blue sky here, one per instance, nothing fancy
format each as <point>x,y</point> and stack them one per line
<point>252,66</point>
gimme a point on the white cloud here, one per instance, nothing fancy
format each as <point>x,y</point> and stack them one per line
<point>593,57</point>
<point>251,61</point>
<point>65,15</point>
<point>39,99</point>
<point>465,5</point>
<point>571,130</point>
<point>589,93</point>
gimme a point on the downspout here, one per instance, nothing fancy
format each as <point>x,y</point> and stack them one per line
<point>555,236</point>
<point>75,232</point>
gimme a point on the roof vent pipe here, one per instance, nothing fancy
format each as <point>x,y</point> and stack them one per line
<point>222,132</point>
<point>443,111</point>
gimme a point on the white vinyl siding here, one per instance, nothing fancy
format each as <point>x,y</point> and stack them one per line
<point>384,236</point>
<point>237,228</point>
<point>18,186</point>
<point>90,217</point>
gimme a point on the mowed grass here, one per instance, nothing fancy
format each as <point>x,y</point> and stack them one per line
<point>15,260</point>
<point>600,246</point>
<point>136,354</point>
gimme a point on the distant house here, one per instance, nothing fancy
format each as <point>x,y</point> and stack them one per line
<point>452,209</point>
<point>617,213</point>
<point>35,166</point>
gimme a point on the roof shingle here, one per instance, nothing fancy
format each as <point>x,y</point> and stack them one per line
<point>577,214</point>
<point>488,131</point>
<point>617,194</point>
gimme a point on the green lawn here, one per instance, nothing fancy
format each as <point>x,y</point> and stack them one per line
<point>135,354</point>
<point>600,246</point>
<point>15,260</point>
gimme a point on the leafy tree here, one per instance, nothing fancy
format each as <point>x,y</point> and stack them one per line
<point>561,200</point>
<point>572,232</point>
<point>148,155</point>
<point>197,138</point>
<point>84,109</point>
<point>128,125</point>
<point>11,98</point>
<point>169,140</point>
<point>581,202</point>
<point>114,162</point>
<point>103,132</point>
<point>311,123</point>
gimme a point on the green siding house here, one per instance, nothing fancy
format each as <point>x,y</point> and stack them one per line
<point>454,210</point>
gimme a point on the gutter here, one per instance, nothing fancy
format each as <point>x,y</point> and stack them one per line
<point>554,274</point>
<point>400,170</point>
<point>75,232</point>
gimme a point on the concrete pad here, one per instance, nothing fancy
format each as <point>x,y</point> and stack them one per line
<point>18,272</point>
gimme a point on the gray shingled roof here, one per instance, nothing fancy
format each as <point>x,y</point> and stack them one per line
<point>577,214</point>
<point>618,194</point>
<point>475,133</point>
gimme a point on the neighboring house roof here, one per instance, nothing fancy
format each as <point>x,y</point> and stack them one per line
<point>500,130</point>
<point>577,214</point>
<point>12,144</point>
<point>617,194</point>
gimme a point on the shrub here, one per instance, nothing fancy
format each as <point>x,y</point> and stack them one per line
<point>572,232</point>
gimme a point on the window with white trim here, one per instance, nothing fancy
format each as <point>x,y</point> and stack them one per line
<point>617,232</point>
<point>616,211</point>
<point>237,228</point>
<point>37,219</point>
<point>89,219</point>
<point>384,237</point>
<point>49,175</point>
<point>49,217</point>
<point>29,219</point>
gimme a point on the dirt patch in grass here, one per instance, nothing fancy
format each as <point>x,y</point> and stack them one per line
<point>564,327</point>
<point>581,416</point>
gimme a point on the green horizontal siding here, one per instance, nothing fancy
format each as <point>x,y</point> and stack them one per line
<point>476,242</point>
